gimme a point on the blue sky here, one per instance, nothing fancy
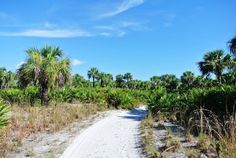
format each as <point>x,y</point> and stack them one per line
<point>144,37</point>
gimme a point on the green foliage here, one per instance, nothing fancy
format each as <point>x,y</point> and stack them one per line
<point>45,68</point>
<point>31,94</point>
<point>4,109</point>
<point>12,95</point>
<point>220,100</point>
<point>118,98</point>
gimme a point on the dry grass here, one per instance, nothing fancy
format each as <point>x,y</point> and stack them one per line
<point>147,137</point>
<point>27,120</point>
<point>219,133</point>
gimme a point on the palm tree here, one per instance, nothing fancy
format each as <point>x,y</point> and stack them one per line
<point>145,85</point>
<point>109,79</point>
<point>105,79</point>
<point>119,80</point>
<point>187,79</point>
<point>93,73</point>
<point>128,77</point>
<point>171,82</point>
<point>3,73</point>
<point>45,68</point>
<point>10,80</point>
<point>214,62</point>
<point>229,78</point>
<point>155,82</point>
<point>232,45</point>
<point>79,81</point>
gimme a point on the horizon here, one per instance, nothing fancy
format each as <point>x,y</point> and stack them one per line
<point>143,37</point>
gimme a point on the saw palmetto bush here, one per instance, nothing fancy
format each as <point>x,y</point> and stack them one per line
<point>31,93</point>
<point>4,109</point>
<point>12,96</point>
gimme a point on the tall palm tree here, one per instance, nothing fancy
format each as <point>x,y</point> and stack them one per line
<point>171,82</point>
<point>119,80</point>
<point>128,76</point>
<point>232,45</point>
<point>214,62</point>
<point>93,73</point>
<point>155,82</point>
<point>105,79</point>
<point>79,81</point>
<point>45,68</point>
<point>187,79</point>
<point>3,73</point>
<point>10,79</point>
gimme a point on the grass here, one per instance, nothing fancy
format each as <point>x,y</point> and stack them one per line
<point>147,137</point>
<point>204,142</point>
<point>27,120</point>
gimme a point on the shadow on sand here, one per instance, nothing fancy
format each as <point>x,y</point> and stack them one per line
<point>135,114</point>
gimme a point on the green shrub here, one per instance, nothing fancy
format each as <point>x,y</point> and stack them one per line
<point>220,100</point>
<point>31,94</point>
<point>113,98</point>
<point>12,95</point>
<point>4,109</point>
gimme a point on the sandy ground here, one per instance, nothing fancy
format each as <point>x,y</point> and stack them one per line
<point>50,145</point>
<point>115,136</point>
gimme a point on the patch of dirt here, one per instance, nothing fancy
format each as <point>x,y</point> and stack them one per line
<point>50,145</point>
<point>170,140</point>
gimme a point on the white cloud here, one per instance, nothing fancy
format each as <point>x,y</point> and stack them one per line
<point>121,33</point>
<point>75,62</point>
<point>48,33</point>
<point>19,65</point>
<point>124,6</point>
<point>111,31</point>
<point>49,25</point>
<point>106,27</point>
<point>105,34</point>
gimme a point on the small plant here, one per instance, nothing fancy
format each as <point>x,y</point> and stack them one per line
<point>189,138</point>
<point>204,142</point>
<point>147,137</point>
<point>172,144</point>
<point>30,153</point>
<point>152,152</point>
<point>192,153</point>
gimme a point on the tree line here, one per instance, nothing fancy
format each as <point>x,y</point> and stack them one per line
<point>47,68</point>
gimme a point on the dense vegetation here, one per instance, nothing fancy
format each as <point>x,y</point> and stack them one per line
<point>206,107</point>
<point>202,104</point>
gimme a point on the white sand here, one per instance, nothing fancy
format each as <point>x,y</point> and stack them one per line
<point>115,136</point>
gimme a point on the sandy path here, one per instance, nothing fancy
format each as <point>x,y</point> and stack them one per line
<point>115,136</point>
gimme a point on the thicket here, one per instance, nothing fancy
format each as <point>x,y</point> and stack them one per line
<point>202,111</point>
<point>106,97</point>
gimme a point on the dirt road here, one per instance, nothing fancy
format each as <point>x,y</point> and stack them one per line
<point>115,136</point>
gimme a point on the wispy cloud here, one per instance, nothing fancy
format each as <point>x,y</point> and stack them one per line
<point>49,33</point>
<point>49,25</point>
<point>19,64</point>
<point>4,15</point>
<point>109,31</point>
<point>76,62</point>
<point>119,29</point>
<point>124,6</point>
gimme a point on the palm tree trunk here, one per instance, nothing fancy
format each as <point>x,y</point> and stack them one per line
<point>93,82</point>
<point>102,84</point>
<point>44,96</point>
